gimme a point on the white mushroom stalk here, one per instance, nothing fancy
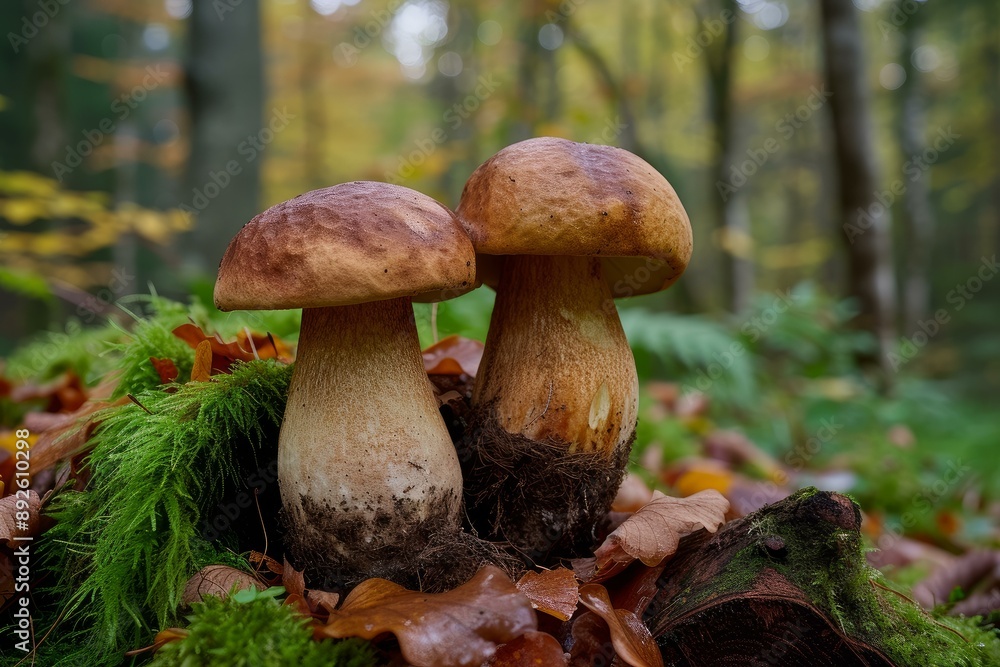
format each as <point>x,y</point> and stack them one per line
<point>367,470</point>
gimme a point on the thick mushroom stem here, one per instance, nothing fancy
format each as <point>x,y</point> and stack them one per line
<point>557,365</point>
<point>367,470</point>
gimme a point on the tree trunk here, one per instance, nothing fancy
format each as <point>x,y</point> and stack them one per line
<point>918,217</point>
<point>731,216</point>
<point>865,220</point>
<point>229,133</point>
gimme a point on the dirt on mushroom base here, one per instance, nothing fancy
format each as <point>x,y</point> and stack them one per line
<point>545,502</point>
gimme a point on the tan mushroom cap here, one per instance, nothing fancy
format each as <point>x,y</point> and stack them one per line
<point>549,196</point>
<point>350,243</point>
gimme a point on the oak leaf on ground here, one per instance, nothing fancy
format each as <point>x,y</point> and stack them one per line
<point>460,628</point>
<point>453,355</point>
<point>530,650</point>
<point>631,639</point>
<point>553,592</point>
<point>655,530</point>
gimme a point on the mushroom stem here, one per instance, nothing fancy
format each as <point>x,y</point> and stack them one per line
<point>366,467</point>
<point>557,365</point>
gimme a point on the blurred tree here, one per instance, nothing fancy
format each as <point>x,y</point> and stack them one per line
<point>865,221</point>
<point>918,215</point>
<point>228,133</point>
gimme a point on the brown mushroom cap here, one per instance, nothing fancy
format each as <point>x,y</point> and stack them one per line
<point>549,196</point>
<point>350,243</point>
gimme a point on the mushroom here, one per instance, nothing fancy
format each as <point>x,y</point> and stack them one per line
<point>366,467</point>
<point>573,226</point>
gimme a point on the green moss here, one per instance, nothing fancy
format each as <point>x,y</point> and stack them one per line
<point>252,629</point>
<point>125,547</point>
<point>827,563</point>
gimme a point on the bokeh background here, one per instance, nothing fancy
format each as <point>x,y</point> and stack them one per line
<point>839,162</point>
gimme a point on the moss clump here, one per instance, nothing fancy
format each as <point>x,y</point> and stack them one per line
<point>823,555</point>
<point>125,547</point>
<point>251,629</point>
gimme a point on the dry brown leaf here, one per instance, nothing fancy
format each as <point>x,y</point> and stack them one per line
<point>165,368</point>
<point>217,580</point>
<point>632,640</point>
<point>653,533</point>
<point>245,348</point>
<point>165,636</point>
<point>532,649</point>
<point>964,572</point>
<point>453,355</point>
<point>322,600</point>
<point>553,592</point>
<point>632,495</point>
<point>69,437</point>
<point>293,580</point>
<point>460,628</point>
<point>19,516</point>
<point>64,394</point>
<point>201,371</point>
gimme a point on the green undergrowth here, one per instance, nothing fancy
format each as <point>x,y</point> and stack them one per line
<point>125,547</point>
<point>828,564</point>
<point>252,629</point>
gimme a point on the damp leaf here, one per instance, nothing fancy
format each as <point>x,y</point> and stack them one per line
<point>202,369</point>
<point>460,628</point>
<point>631,639</point>
<point>653,532</point>
<point>19,515</point>
<point>553,592</point>
<point>531,649</point>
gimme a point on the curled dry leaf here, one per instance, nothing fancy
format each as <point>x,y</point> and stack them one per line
<point>453,355</point>
<point>217,580</point>
<point>293,580</point>
<point>70,436</point>
<point>165,368</point>
<point>653,533</point>
<point>553,592</point>
<point>19,516</point>
<point>532,649</point>
<point>632,640</point>
<point>460,628</point>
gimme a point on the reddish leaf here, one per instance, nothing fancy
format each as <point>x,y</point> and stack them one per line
<point>19,516</point>
<point>71,435</point>
<point>459,628</point>
<point>532,649</point>
<point>553,592</point>
<point>453,355</point>
<point>202,369</point>
<point>217,580</point>
<point>165,368</point>
<point>64,394</point>
<point>631,639</point>
<point>266,346</point>
<point>245,348</point>
<point>653,533</point>
<point>163,637</point>
<point>293,580</point>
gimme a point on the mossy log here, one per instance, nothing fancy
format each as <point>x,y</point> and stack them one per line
<point>788,585</point>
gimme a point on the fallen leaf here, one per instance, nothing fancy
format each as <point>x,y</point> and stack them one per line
<point>632,640</point>
<point>165,368</point>
<point>19,516</point>
<point>591,642</point>
<point>632,494</point>
<point>553,592</point>
<point>293,580</point>
<point>201,371</point>
<point>165,636</point>
<point>322,600</point>
<point>245,348</point>
<point>267,346</point>
<point>64,394</point>
<point>453,355</point>
<point>70,436</point>
<point>217,580</point>
<point>653,533</point>
<point>460,628</point>
<point>964,572</point>
<point>532,649</point>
